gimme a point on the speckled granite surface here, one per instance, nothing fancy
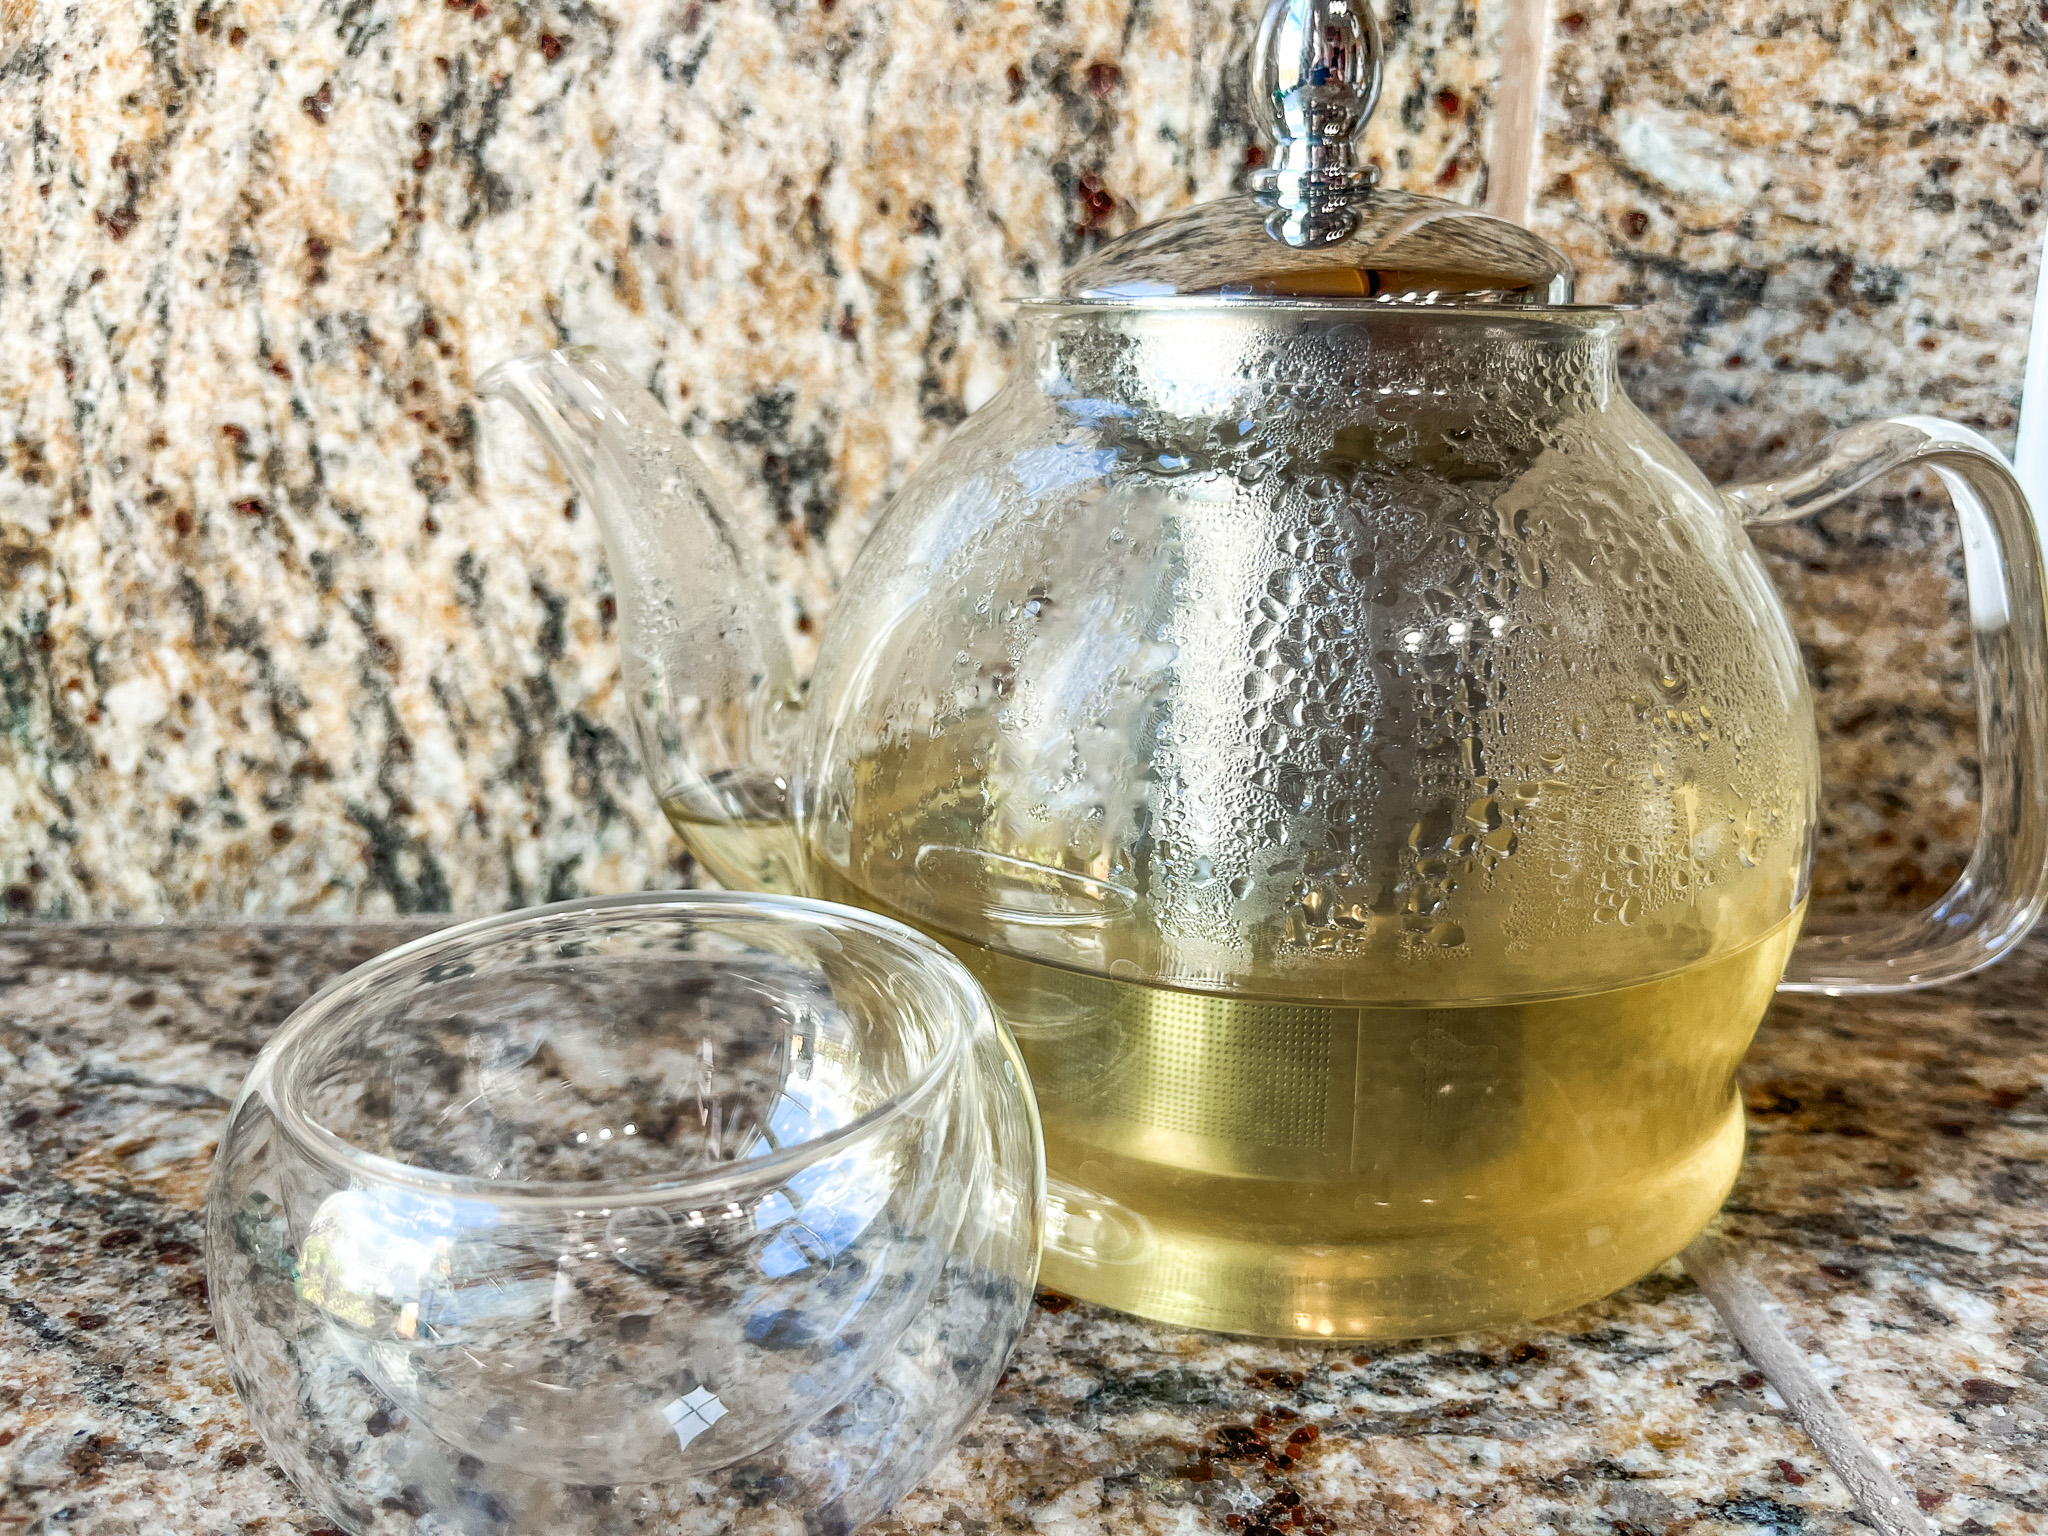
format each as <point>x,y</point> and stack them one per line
<point>1831,210</point>
<point>1896,1200</point>
<point>288,625</point>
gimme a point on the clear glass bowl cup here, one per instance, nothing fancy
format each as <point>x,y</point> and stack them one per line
<point>625,1215</point>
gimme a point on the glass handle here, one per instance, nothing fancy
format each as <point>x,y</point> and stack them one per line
<point>2005,886</point>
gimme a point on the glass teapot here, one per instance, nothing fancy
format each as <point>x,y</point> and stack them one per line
<point>1361,756</point>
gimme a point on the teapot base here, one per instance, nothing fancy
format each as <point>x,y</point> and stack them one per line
<point>1348,1171</point>
<point>1173,1266</point>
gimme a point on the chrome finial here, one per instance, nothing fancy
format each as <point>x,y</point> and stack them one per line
<point>1315,78</point>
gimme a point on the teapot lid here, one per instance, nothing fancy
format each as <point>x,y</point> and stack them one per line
<point>1316,225</point>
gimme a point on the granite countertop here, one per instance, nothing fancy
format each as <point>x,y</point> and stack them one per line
<point>1896,1200</point>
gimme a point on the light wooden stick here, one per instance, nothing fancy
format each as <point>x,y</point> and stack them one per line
<point>1517,104</point>
<point>1744,1306</point>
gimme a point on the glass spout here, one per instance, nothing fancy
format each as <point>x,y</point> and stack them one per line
<point>713,698</point>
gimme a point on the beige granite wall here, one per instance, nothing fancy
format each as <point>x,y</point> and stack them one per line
<point>1830,210</point>
<point>290,625</point>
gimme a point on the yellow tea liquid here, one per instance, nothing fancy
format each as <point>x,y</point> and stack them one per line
<point>754,854</point>
<point>1371,1171</point>
<point>1301,1149</point>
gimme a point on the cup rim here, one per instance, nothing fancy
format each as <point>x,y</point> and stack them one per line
<point>702,1186</point>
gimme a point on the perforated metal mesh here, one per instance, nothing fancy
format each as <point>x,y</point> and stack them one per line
<point>1253,1073</point>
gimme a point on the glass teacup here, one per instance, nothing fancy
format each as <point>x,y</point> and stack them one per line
<point>618,1215</point>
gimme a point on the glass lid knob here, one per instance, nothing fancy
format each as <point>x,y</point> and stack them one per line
<point>1315,78</point>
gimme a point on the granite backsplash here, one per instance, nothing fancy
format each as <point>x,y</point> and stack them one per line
<point>291,625</point>
<point>1829,211</point>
